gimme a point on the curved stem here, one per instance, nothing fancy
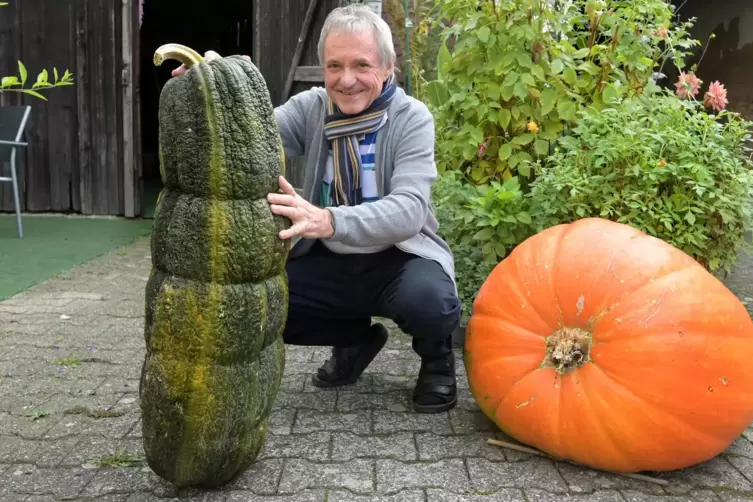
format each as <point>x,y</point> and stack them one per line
<point>177,52</point>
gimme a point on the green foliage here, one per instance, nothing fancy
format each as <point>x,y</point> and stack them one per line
<point>482,224</point>
<point>515,73</point>
<point>659,164</point>
<point>17,83</point>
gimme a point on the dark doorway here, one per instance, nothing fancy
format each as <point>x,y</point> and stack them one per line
<point>224,26</point>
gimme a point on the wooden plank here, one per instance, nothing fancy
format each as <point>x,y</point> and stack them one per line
<point>136,92</point>
<point>309,74</point>
<point>83,79</point>
<point>34,21</point>
<point>61,123</point>
<point>129,199</point>
<point>299,49</point>
<point>111,184</point>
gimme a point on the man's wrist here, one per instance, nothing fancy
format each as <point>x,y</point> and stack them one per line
<point>329,222</point>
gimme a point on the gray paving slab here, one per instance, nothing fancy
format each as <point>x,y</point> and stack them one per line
<point>70,356</point>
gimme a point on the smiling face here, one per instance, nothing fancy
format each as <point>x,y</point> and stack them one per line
<point>353,70</point>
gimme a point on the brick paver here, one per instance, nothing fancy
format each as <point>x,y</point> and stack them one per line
<point>70,356</point>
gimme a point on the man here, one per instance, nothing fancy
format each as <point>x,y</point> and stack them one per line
<point>365,237</point>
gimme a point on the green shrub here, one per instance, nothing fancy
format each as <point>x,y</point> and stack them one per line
<point>663,165</point>
<point>481,224</point>
<point>514,73</point>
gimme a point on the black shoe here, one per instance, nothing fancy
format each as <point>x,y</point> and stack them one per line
<point>436,388</point>
<point>347,363</point>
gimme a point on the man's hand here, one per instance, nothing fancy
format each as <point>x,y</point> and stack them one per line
<point>208,56</point>
<point>309,221</point>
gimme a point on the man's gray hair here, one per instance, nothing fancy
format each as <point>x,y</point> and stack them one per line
<point>355,18</point>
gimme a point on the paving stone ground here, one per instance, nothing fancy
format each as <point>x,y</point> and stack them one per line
<point>70,356</point>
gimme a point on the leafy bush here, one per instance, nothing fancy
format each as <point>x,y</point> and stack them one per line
<point>480,223</point>
<point>514,73</point>
<point>660,164</point>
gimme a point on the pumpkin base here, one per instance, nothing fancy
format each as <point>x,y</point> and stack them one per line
<point>567,349</point>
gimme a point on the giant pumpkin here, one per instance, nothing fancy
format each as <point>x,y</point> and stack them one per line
<point>599,344</point>
<point>217,297</point>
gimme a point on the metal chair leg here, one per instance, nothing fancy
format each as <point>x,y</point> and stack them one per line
<point>16,198</point>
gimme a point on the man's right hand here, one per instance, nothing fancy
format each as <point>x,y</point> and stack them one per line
<point>208,56</point>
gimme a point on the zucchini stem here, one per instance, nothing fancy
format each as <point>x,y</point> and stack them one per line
<point>177,52</point>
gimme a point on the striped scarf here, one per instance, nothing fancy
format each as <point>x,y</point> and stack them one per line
<point>342,131</point>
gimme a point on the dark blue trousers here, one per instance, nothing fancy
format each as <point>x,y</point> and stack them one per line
<point>333,297</point>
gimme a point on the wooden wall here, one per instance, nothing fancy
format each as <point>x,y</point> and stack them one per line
<point>75,162</point>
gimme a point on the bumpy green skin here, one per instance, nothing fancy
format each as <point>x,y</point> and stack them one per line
<point>217,296</point>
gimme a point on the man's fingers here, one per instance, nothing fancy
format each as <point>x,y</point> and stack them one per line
<point>286,211</point>
<point>180,70</point>
<point>294,230</point>
<point>286,187</point>
<point>281,199</point>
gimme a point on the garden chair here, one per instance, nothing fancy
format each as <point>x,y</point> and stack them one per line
<point>13,120</point>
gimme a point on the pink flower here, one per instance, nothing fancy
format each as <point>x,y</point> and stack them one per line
<point>716,96</point>
<point>688,85</point>
<point>481,149</point>
<point>661,32</point>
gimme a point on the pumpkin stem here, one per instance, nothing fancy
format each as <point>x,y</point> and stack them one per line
<point>181,53</point>
<point>567,349</point>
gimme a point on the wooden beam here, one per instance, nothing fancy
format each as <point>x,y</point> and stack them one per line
<point>299,50</point>
<point>314,74</point>
<point>129,193</point>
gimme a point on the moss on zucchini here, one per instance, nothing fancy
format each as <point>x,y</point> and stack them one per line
<point>217,297</point>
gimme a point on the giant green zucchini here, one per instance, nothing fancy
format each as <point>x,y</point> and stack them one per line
<point>217,297</point>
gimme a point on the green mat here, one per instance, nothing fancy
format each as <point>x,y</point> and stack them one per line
<point>54,244</point>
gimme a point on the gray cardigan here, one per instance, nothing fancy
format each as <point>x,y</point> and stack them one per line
<point>405,174</point>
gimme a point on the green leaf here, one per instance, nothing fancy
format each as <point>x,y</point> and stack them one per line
<point>548,100</point>
<point>581,53</point>
<point>524,60</point>
<point>500,249</point>
<point>443,57</point>
<point>511,79</point>
<point>557,67</point>
<point>527,79</point>
<point>524,217</point>
<point>524,169</point>
<point>541,147</point>
<point>690,217</point>
<point>523,139</point>
<point>436,93</point>
<point>34,93</point>
<point>610,94</point>
<point>570,76</point>
<point>483,34</point>
<point>484,235</point>
<point>22,72</point>
<point>538,72</point>
<point>566,109</point>
<point>505,151</point>
<point>504,118</point>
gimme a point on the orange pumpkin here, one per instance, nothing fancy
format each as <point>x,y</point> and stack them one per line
<point>597,343</point>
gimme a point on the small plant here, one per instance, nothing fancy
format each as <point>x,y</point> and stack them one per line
<point>36,415</point>
<point>481,224</point>
<point>17,83</point>
<point>119,459</point>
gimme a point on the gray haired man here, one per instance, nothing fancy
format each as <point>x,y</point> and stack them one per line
<point>365,241</point>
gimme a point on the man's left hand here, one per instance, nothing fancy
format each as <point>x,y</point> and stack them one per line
<point>308,221</point>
